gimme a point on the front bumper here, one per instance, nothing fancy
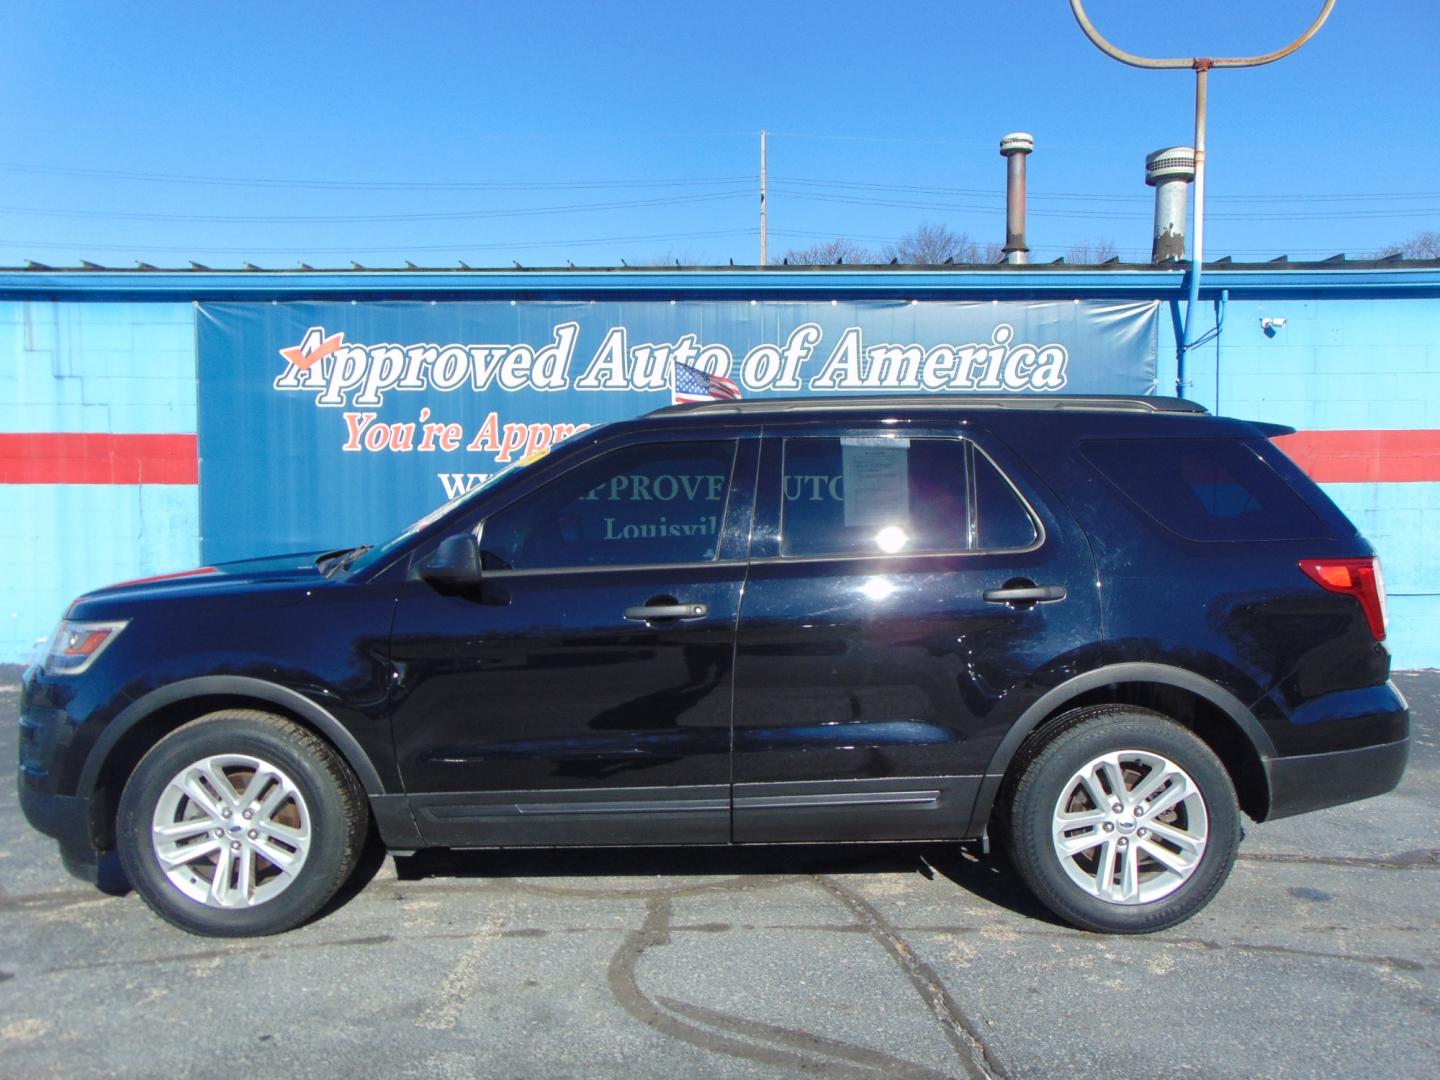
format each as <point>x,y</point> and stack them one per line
<point>1307,782</point>
<point>66,818</point>
<point>48,762</point>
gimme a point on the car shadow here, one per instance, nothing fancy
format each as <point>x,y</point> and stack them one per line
<point>988,877</point>
<point>109,875</point>
<point>371,860</point>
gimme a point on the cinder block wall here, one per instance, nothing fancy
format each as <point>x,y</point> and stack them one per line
<point>98,421</point>
<point>1362,375</point>
<point>97,407</point>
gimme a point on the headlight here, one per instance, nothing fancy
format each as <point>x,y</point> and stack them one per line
<point>76,645</point>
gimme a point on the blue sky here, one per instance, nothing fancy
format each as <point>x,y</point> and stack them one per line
<point>542,132</point>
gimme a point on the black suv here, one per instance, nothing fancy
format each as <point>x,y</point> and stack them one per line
<point>1098,628</point>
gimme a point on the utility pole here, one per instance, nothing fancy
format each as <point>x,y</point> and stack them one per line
<point>1202,66</point>
<point>762,198</point>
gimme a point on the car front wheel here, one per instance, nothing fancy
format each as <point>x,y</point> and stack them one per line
<point>1124,821</point>
<point>239,824</point>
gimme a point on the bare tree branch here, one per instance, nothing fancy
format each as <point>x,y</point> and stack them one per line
<point>934,245</point>
<point>1092,252</point>
<point>670,257</point>
<point>1423,245</point>
<point>829,253</point>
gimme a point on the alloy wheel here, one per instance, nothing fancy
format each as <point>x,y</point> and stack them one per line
<point>1130,827</point>
<point>231,831</point>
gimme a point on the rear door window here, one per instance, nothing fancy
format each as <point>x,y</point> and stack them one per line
<point>896,496</point>
<point>1206,489</point>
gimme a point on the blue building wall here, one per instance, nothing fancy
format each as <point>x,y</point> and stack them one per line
<point>103,368</point>
<point>1370,363</point>
<point>109,353</point>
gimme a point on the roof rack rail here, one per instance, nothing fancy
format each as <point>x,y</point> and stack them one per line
<point>949,402</point>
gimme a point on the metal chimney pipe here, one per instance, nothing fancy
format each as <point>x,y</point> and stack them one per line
<point>1014,148</point>
<point>1170,172</point>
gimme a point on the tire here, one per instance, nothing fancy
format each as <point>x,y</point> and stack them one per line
<point>240,824</point>
<point>1158,860</point>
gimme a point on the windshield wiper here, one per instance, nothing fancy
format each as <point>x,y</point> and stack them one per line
<point>348,559</point>
<point>328,563</point>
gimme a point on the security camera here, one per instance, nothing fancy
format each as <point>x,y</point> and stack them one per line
<point>1270,325</point>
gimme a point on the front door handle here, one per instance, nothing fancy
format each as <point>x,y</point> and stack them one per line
<point>652,612</point>
<point>1025,594</point>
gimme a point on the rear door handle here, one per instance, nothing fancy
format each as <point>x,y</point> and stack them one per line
<point>1025,594</point>
<point>651,612</point>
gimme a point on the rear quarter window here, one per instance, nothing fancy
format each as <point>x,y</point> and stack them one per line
<point>1206,489</point>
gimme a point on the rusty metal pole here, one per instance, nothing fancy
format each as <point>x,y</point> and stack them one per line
<point>1015,148</point>
<point>1201,66</point>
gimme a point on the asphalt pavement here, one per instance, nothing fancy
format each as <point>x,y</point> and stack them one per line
<point>1321,957</point>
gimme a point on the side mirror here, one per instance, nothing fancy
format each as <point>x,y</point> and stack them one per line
<point>455,564</point>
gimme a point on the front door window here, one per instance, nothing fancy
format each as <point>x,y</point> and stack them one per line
<point>649,505</point>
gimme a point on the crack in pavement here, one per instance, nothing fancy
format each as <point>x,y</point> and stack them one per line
<point>803,1040</point>
<point>1064,937</point>
<point>52,901</point>
<point>1396,962</point>
<point>682,1021</point>
<point>1419,859</point>
<point>961,1032</point>
<point>236,950</point>
<point>707,1028</point>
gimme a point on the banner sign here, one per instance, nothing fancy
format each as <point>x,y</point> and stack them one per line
<point>328,424</point>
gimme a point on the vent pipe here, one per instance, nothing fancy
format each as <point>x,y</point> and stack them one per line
<point>1170,172</point>
<point>1014,148</point>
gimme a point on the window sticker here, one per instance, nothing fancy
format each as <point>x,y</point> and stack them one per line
<point>876,481</point>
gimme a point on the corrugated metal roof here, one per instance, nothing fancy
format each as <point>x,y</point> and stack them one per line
<point>1373,277</point>
<point>1224,262</point>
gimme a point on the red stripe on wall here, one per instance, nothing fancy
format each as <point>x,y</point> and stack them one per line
<point>1365,457</point>
<point>73,458</point>
<point>1337,457</point>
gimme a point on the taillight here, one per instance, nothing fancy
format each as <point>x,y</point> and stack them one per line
<point>1359,578</point>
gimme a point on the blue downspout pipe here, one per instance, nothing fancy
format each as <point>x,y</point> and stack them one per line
<point>1191,303</point>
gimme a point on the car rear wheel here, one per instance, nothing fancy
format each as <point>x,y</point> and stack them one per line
<point>1124,821</point>
<point>239,824</point>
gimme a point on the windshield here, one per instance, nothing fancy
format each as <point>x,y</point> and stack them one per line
<point>378,556</point>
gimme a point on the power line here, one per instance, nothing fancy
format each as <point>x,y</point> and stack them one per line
<point>307,219</point>
<point>1142,254</point>
<point>877,139</point>
<point>911,204</point>
<point>692,181</point>
<point>373,185</point>
<point>842,198</point>
<point>925,190</point>
<point>1137,197</point>
<point>360,249</point>
<point>1115,215</point>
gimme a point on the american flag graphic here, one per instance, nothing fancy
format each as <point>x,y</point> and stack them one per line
<point>692,384</point>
